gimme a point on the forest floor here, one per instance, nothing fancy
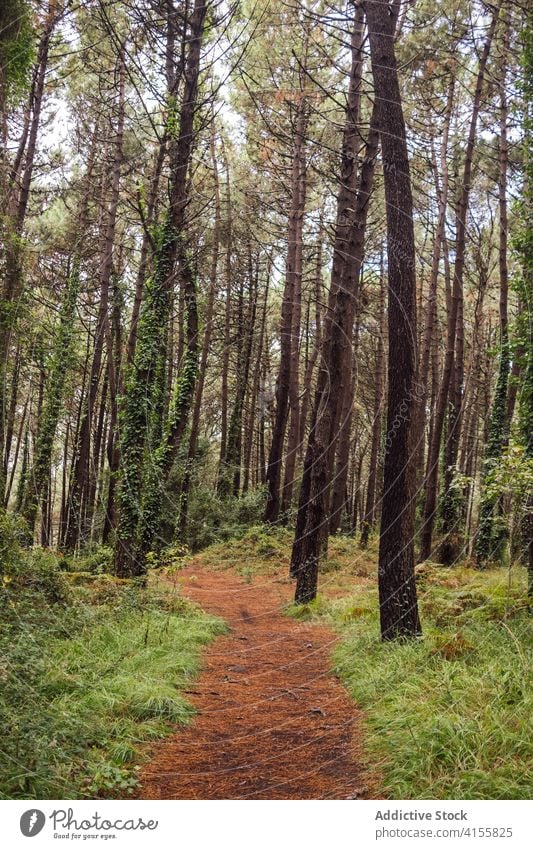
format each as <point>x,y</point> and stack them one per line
<point>208,683</point>
<point>273,722</point>
<point>307,702</point>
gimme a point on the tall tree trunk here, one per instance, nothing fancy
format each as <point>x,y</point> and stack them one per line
<point>206,345</point>
<point>141,488</point>
<point>317,341</point>
<point>299,177</point>
<point>352,207</point>
<point>13,274</point>
<point>397,589</point>
<point>450,544</point>
<point>80,494</point>
<point>10,423</point>
<point>256,381</point>
<point>146,248</point>
<point>491,535</point>
<point>224,395</point>
<point>430,503</point>
<point>431,311</point>
<point>229,479</point>
<point>339,493</point>
<point>39,477</point>
<point>290,318</point>
<point>367,524</point>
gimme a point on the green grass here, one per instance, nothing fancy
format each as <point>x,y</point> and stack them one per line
<point>447,716</point>
<point>258,550</point>
<point>93,668</point>
<point>88,680</point>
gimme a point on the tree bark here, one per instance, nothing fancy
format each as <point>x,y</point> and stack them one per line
<point>352,206</point>
<point>367,524</point>
<point>397,589</point>
<point>80,494</point>
<point>290,321</point>
<point>431,486</point>
<point>450,543</point>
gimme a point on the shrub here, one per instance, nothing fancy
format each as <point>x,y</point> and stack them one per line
<point>13,533</point>
<point>96,559</point>
<point>212,519</point>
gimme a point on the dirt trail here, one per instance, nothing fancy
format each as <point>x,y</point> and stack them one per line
<point>273,722</point>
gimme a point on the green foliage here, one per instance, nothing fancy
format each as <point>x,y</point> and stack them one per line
<point>144,441</point>
<point>13,532</point>
<point>451,515</point>
<point>510,477</point>
<point>212,519</point>
<point>60,364</point>
<point>17,49</point>
<point>97,560</point>
<point>169,558</point>
<point>446,717</point>
<point>88,675</point>
<point>513,475</point>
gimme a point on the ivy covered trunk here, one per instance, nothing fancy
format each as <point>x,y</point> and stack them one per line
<point>148,445</point>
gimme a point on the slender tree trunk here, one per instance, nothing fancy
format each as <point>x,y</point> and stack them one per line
<point>339,494</point>
<point>36,493</point>
<point>431,311</point>
<point>206,345</point>
<point>290,318</point>
<point>229,480</point>
<point>450,544</point>
<point>82,487</point>
<point>397,589</point>
<point>13,274</point>
<point>430,503</point>
<point>141,489</point>
<point>317,342</point>
<point>146,248</point>
<point>10,424</point>
<point>255,390</point>
<point>367,524</point>
<point>352,206</point>
<point>227,320</point>
<point>17,448</point>
<point>491,535</point>
<point>299,177</point>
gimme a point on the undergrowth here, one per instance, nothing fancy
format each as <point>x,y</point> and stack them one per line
<point>91,669</point>
<point>447,716</point>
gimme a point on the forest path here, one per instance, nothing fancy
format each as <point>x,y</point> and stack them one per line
<point>272,720</point>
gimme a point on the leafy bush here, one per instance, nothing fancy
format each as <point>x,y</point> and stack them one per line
<point>258,548</point>
<point>97,559</point>
<point>169,558</point>
<point>13,533</point>
<point>212,519</point>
